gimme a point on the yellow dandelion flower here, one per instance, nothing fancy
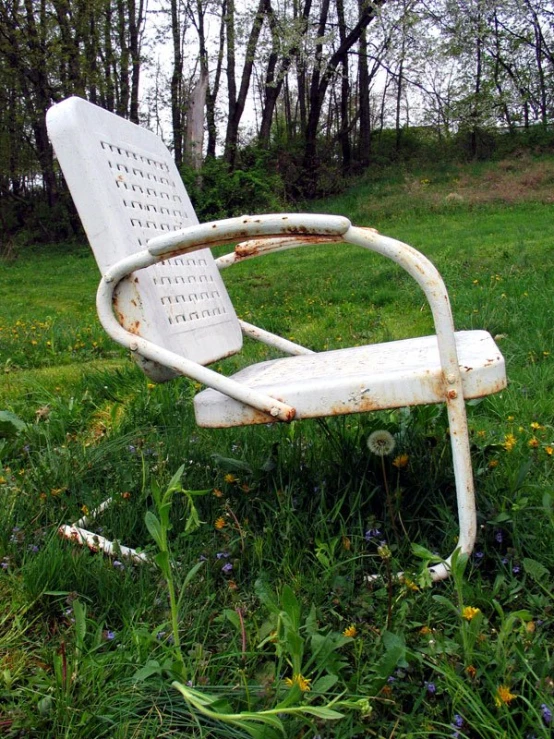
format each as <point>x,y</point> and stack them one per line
<point>346,543</point>
<point>481,434</point>
<point>401,461</point>
<point>471,671</point>
<point>533,443</point>
<point>469,612</point>
<point>298,679</point>
<point>409,584</point>
<point>350,631</point>
<point>84,509</point>
<point>230,478</point>
<point>511,418</point>
<point>126,495</point>
<point>509,442</point>
<point>425,631</point>
<point>217,492</point>
<point>536,426</point>
<point>150,385</point>
<point>3,481</point>
<point>493,463</point>
<point>530,627</point>
<point>503,696</point>
<point>220,523</point>
<point>549,450</point>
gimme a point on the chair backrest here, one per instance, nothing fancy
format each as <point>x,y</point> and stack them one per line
<point>127,189</point>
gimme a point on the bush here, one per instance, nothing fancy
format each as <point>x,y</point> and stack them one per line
<point>219,192</point>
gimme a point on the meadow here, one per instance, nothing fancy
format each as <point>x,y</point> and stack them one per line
<point>255,615</point>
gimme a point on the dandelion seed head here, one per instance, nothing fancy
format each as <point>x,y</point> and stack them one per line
<point>381,443</point>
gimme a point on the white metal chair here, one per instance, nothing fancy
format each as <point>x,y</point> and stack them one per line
<point>162,296</point>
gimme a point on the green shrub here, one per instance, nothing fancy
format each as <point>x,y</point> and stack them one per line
<point>217,191</point>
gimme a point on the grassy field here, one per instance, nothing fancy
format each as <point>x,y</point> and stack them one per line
<point>257,618</point>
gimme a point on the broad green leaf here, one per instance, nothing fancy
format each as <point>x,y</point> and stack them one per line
<point>10,424</point>
<point>395,651</point>
<point>162,560</point>
<point>266,595</point>
<point>232,616</point>
<point>228,463</point>
<point>80,611</point>
<point>154,529</point>
<point>325,683</point>
<point>536,570</point>
<point>291,606</point>
<point>447,603</point>
<point>191,573</point>
<point>175,482</point>
<point>152,667</point>
<point>425,554</point>
<point>323,713</point>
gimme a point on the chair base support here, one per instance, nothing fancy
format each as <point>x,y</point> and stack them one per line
<point>77,533</point>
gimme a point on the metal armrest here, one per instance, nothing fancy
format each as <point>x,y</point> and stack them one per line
<point>279,232</point>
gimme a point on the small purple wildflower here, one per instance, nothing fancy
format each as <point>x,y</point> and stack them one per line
<point>222,555</point>
<point>33,548</point>
<point>227,568</point>
<point>160,635</point>
<point>372,534</point>
<point>546,714</point>
<point>202,558</point>
<point>132,448</point>
<point>431,688</point>
<point>516,569</point>
<point>5,563</point>
<point>118,565</point>
<point>498,536</point>
<point>479,555</point>
<point>504,560</point>
<point>458,721</point>
<point>110,635</point>
<point>391,679</point>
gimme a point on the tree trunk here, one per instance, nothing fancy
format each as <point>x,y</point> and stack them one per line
<point>176,86</point>
<point>237,102</point>
<point>364,145</point>
<point>318,88</point>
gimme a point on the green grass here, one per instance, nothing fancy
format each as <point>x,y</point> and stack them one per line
<point>86,645</point>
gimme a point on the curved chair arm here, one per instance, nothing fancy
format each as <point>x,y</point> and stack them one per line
<point>191,239</point>
<point>431,282</point>
<point>285,232</point>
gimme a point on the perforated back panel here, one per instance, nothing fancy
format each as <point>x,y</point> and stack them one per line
<point>127,190</point>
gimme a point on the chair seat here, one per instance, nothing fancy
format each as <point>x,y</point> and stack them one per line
<point>358,379</point>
